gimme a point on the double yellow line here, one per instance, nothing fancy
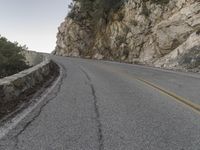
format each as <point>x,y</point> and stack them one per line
<point>195,107</point>
<point>176,97</point>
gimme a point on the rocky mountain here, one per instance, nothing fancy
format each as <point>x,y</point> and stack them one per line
<point>161,33</point>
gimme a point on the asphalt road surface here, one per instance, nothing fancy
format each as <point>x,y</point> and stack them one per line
<point>99,105</point>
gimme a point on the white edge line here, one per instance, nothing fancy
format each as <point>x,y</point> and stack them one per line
<point>11,124</point>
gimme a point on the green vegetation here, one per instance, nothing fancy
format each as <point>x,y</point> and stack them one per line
<point>146,12</point>
<point>161,2</point>
<point>94,10</point>
<point>11,59</point>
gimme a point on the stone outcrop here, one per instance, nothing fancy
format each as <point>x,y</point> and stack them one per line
<point>33,58</point>
<point>140,31</point>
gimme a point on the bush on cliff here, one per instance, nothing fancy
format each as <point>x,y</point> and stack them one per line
<point>93,10</point>
<point>11,59</point>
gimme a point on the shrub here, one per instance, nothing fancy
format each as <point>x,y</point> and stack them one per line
<point>161,2</point>
<point>95,9</point>
<point>11,59</point>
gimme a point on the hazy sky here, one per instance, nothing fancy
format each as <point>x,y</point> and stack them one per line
<point>32,22</point>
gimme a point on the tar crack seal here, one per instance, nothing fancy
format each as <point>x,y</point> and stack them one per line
<point>96,109</point>
<point>16,137</point>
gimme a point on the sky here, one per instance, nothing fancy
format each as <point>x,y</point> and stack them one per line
<point>33,23</point>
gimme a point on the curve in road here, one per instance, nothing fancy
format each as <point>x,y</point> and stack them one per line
<point>101,105</point>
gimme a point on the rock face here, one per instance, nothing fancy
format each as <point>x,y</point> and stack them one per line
<point>163,33</point>
<point>32,58</point>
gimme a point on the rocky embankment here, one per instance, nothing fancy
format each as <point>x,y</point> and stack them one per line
<point>163,33</point>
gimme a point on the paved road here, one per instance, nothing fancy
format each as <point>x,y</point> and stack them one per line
<point>102,106</point>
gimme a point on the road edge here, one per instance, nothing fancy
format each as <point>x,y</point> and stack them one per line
<point>11,124</point>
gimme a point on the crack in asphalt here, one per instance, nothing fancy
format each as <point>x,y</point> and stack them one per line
<point>64,75</point>
<point>96,109</point>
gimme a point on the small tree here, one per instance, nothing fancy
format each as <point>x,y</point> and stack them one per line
<point>11,59</point>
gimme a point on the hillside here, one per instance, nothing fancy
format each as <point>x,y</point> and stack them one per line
<point>163,33</point>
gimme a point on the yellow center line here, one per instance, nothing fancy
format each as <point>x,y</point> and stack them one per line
<point>178,98</point>
<point>195,107</point>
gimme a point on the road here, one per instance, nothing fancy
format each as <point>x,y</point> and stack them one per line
<point>99,105</point>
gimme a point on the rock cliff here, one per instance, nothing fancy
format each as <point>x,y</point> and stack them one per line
<point>161,33</point>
